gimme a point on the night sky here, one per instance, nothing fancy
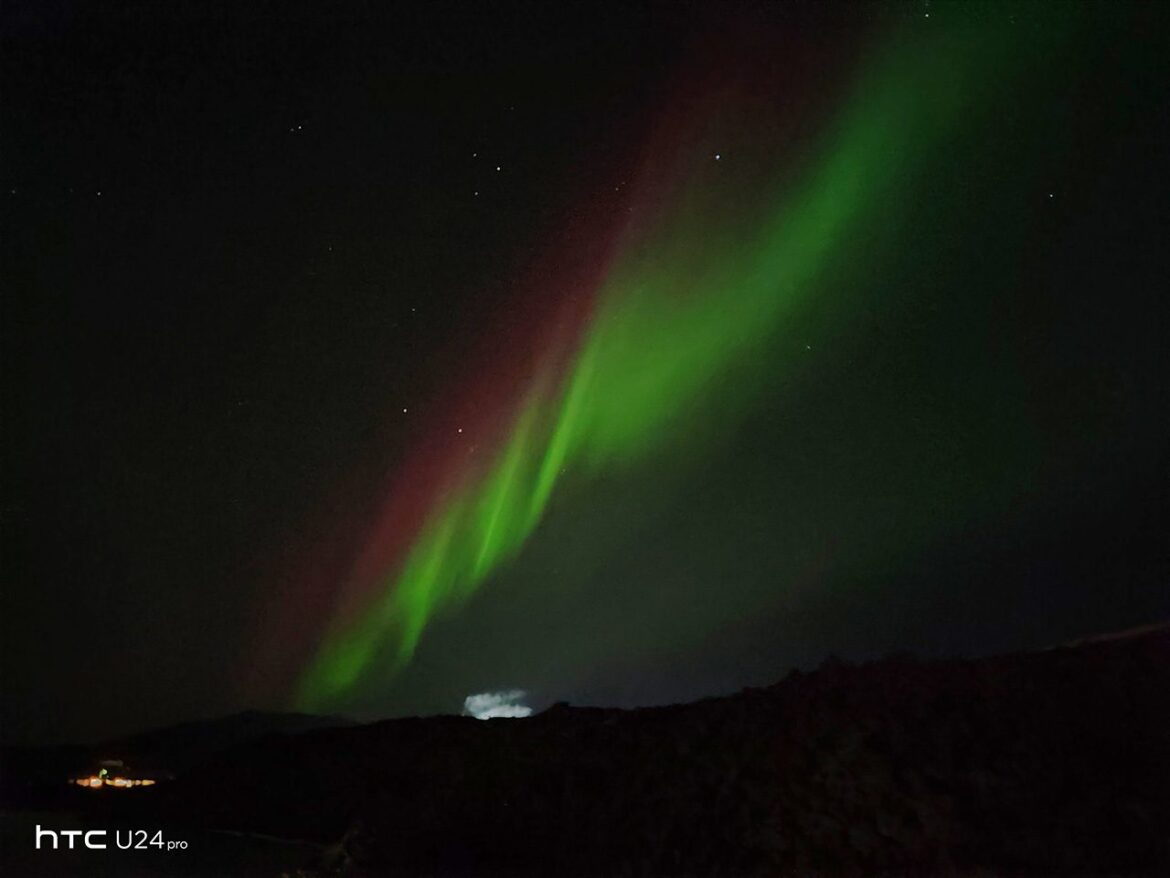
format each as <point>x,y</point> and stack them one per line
<point>361,357</point>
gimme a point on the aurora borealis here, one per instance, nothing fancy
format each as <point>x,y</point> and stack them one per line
<point>705,290</point>
<point>616,356</point>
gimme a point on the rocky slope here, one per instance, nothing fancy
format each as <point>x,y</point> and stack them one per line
<point>1053,762</point>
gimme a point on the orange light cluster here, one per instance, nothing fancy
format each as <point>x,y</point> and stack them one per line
<point>93,782</point>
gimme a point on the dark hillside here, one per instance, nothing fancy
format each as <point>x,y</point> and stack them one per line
<point>1036,763</point>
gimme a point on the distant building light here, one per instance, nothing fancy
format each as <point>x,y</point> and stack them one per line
<point>96,781</point>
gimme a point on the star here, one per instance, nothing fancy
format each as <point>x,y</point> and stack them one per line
<point>497,167</point>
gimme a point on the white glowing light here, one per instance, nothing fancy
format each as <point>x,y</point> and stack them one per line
<point>491,705</point>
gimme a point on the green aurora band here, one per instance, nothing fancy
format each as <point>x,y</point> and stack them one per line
<point>682,309</point>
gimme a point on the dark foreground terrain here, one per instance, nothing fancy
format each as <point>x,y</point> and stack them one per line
<point>1053,762</point>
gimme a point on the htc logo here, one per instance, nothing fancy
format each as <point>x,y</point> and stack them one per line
<point>90,838</point>
<point>95,840</point>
